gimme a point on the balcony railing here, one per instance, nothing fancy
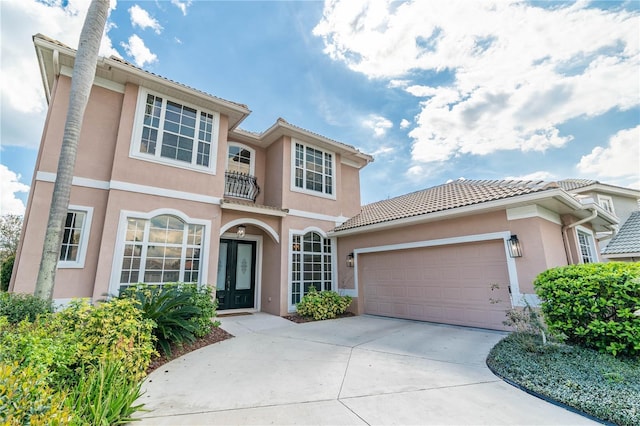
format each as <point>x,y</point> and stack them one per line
<point>240,185</point>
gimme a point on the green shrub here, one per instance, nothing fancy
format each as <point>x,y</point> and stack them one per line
<point>593,305</point>
<point>115,329</point>
<point>322,305</point>
<point>179,311</point>
<point>104,396</point>
<point>5,272</point>
<point>16,307</point>
<point>27,399</point>
<point>45,345</point>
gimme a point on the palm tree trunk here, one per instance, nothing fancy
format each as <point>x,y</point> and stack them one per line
<point>84,70</point>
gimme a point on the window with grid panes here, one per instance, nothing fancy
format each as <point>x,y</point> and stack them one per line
<point>311,265</point>
<point>313,169</point>
<point>160,250</point>
<point>587,247</point>
<point>173,132</point>
<point>72,236</point>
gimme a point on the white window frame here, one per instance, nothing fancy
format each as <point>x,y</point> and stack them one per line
<point>116,267</point>
<point>604,200</point>
<point>138,125</point>
<point>84,238</point>
<point>334,266</point>
<point>594,258</point>
<point>323,194</point>
<point>252,163</point>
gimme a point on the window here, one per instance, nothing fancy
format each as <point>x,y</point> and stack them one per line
<point>587,246</point>
<point>160,250</point>
<point>174,133</point>
<point>312,170</point>
<point>606,203</point>
<point>240,159</point>
<point>75,237</point>
<point>311,265</point>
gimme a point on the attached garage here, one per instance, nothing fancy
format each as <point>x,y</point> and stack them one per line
<point>462,284</point>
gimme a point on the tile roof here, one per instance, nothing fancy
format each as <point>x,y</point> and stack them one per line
<point>627,240</point>
<point>451,195</point>
<point>573,184</point>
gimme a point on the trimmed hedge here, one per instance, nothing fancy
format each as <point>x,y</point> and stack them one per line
<point>593,305</point>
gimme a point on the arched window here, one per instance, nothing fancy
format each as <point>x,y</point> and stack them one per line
<point>311,265</point>
<point>160,250</point>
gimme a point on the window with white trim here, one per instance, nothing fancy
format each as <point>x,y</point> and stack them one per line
<point>240,159</point>
<point>313,170</point>
<point>75,237</point>
<point>311,265</point>
<point>160,250</point>
<point>172,132</point>
<point>606,203</point>
<point>587,247</point>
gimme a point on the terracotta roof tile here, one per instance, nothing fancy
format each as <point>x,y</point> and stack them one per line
<point>451,195</point>
<point>627,240</point>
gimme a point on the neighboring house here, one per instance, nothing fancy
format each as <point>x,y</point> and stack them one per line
<point>625,245</point>
<point>167,188</point>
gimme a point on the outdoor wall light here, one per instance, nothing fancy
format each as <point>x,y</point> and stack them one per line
<point>241,231</point>
<point>350,260</point>
<point>515,249</point>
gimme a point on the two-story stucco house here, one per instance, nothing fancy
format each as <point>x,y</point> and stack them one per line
<point>168,188</point>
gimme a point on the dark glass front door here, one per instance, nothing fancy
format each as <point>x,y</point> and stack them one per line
<point>236,274</point>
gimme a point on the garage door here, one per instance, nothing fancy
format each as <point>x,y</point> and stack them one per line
<point>462,284</point>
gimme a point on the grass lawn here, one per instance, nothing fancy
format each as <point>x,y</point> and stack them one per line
<point>597,384</point>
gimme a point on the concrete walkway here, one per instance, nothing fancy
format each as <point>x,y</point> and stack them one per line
<point>350,371</point>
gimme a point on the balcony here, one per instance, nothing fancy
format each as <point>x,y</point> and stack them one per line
<point>240,185</point>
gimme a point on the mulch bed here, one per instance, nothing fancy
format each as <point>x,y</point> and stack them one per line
<point>217,335</point>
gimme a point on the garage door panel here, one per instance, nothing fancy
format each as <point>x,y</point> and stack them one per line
<point>449,284</point>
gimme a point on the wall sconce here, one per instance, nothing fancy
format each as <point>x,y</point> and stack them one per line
<point>515,249</point>
<point>241,231</point>
<point>350,260</point>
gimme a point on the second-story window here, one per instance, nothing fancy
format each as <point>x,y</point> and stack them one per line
<point>176,133</point>
<point>239,160</point>
<point>313,169</point>
<point>606,203</point>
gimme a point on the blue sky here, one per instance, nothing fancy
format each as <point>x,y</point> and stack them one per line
<point>435,90</point>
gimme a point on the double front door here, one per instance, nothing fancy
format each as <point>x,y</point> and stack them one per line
<point>236,274</point>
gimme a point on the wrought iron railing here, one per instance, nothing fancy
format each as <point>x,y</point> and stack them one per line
<point>240,185</point>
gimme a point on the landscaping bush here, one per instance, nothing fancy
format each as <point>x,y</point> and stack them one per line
<point>16,307</point>
<point>45,345</point>
<point>105,396</point>
<point>593,305</point>
<point>181,312</point>
<point>115,329</point>
<point>26,398</point>
<point>6,271</point>
<point>322,305</point>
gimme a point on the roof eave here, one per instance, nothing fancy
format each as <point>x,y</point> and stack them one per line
<point>610,189</point>
<point>556,194</point>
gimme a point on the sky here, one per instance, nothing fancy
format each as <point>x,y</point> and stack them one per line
<point>434,90</point>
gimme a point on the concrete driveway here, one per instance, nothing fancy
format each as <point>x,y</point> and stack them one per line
<point>350,371</point>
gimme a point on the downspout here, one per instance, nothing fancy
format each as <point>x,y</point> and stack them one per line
<point>594,214</point>
<point>614,231</point>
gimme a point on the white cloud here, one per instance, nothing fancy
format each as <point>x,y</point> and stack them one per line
<point>138,51</point>
<point>9,186</point>
<point>21,91</point>
<point>506,74</point>
<point>405,123</point>
<point>142,19</point>
<point>382,151</point>
<point>619,159</point>
<point>539,175</point>
<point>378,124</point>
<point>182,5</point>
